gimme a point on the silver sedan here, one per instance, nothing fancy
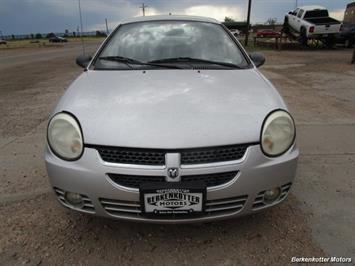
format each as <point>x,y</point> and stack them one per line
<point>171,122</point>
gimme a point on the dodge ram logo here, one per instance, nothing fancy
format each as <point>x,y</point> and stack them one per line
<point>173,172</point>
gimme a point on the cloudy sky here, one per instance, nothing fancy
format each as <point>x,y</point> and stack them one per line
<point>32,16</point>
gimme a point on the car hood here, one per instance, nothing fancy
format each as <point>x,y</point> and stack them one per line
<point>170,108</point>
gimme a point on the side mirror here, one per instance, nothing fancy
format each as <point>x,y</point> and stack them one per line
<point>257,58</point>
<point>290,13</point>
<point>83,60</point>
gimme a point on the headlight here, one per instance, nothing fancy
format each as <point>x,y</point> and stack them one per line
<point>278,133</point>
<point>64,137</point>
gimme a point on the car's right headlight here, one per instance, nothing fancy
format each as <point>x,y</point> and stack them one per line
<point>278,133</point>
<point>64,137</point>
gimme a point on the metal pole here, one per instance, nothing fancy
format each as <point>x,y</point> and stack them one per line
<point>296,4</point>
<point>143,7</point>
<point>106,26</point>
<point>248,25</point>
<point>81,29</point>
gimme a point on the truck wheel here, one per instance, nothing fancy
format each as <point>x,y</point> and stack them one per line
<point>303,37</point>
<point>330,42</point>
<point>286,27</point>
<point>348,43</point>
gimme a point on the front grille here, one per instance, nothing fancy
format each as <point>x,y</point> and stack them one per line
<point>259,200</point>
<point>211,180</point>
<point>139,156</point>
<point>213,154</point>
<point>134,181</point>
<point>86,207</point>
<point>131,156</point>
<point>213,207</point>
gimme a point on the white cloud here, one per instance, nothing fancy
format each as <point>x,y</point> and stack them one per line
<point>216,12</point>
<point>337,14</point>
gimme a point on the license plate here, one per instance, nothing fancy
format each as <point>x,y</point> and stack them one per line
<point>173,198</point>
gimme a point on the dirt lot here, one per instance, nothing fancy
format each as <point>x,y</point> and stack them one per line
<point>316,220</point>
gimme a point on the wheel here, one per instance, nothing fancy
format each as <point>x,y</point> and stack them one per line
<point>348,43</point>
<point>329,42</point>
<point>303,37</point>
<point>286,27</point>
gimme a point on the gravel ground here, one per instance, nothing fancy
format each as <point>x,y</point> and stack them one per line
<point>35,230</point>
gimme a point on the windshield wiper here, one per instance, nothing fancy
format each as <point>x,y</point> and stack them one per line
<point>190,59</point>
<point>130,61</point>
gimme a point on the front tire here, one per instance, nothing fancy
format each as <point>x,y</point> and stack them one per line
<point>286,27</point>
<point>330,42</point>
<point>348,43</point>
<point>303,37</point>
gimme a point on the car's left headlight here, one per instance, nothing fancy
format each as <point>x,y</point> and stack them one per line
<point>278,133</point>
<point>64,137</point>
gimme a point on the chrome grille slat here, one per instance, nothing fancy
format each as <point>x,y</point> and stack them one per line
<point>224,201</point>
<point>258,201</point>
<point>224,208</point>
<point>61,198</point>
<point>120,204</point>
<point>122,210</point>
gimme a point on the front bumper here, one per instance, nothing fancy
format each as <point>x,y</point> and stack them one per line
<point>240,196</point>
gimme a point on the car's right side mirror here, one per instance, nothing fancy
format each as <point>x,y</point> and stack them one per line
<point>257,58</point>
<point>83,60</point>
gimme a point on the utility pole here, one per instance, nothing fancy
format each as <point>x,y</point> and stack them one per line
<point>106,26</point>
<point>248,25</point>
<point>143,7</point>
<point>296,4</point>
<point>81,29</point>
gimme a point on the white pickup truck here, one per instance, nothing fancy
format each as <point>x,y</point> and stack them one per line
<point>312,22</point>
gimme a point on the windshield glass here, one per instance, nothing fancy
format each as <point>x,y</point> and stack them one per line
<point>156,40</point>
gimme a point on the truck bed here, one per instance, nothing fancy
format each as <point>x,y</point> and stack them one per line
<point>322,21</point>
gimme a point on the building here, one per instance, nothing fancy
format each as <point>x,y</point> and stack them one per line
<point>349,16</point>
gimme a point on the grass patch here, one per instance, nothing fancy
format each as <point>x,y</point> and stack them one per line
<point>43,43</point>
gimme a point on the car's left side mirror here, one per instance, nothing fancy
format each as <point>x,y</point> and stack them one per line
<point>83,60</point>
<point>257,58</point>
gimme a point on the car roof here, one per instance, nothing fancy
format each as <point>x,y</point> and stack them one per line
<point>309,8</point>
<point>170,17</point>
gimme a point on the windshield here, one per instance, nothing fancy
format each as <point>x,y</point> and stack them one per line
<point>156,40</point>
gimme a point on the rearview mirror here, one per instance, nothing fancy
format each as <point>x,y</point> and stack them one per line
<point>83,60</point>
<point>257,58</point>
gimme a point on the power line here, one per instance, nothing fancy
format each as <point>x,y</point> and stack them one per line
<point>143,7</point>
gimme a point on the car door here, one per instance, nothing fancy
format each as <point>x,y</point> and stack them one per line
<point>298,21</point>
<point>292,18</point>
